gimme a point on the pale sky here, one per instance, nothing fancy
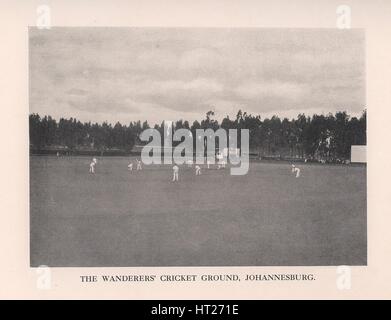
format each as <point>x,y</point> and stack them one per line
<point>156,74</point>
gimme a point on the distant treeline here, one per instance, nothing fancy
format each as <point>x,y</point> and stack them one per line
<point>318,137</point>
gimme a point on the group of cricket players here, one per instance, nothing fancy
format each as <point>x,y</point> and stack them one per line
<point>175,168</point>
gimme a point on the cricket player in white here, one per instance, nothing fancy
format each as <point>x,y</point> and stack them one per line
<point>138,164</point>
<point>92,166</point>
<point>130,166</point>
<point>208,163</point>
<point>175,173</point>
<point>197,170</point>
<point>223,164</point>
<point>296,170</point>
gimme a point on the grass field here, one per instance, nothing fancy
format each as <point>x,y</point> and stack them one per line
<point>267,217</point>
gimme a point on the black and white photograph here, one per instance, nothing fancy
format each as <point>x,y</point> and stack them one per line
<point>197,146</point>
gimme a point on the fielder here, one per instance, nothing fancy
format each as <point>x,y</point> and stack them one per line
<point>223,163</point>
<point>92,166</point>
<point>138,164</point>
<point>130,166</point>
<point>296,170</point>
<point>197,170</point>
<point>175,173</point>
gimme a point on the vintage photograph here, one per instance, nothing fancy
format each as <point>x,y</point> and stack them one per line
<point>197,147</point>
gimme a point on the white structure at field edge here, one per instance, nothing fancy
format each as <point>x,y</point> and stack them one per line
<point>358,154</point>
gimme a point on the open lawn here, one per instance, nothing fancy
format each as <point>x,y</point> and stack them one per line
<point>141,218</point>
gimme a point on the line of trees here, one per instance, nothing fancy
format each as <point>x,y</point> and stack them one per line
<point>318,137</point>
<point>73,134</point>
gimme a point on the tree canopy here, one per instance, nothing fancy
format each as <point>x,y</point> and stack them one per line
<point>319,136</point>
